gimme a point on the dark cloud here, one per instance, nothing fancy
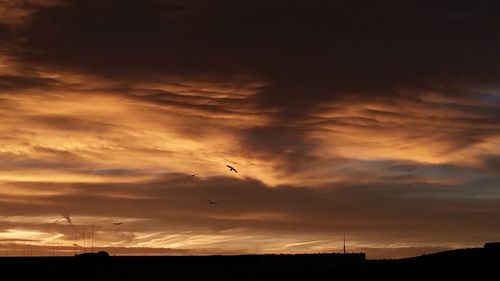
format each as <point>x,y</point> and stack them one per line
<point>309,54</point>
<point>48,159</point>
<point>370,210</point>
<point>19,82</point>
<point>491,163</point>
<point>281,142</point>
<point>206,106</point>
<point>70,124</point>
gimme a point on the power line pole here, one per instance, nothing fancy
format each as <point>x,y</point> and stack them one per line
<point>92,238</point>
<point>344,244</point>
<point>76,241</point>
<point>84,244</point>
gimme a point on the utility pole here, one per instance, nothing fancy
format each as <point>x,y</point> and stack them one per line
<point>76,241</point>
<point>84,244</point>
<point>92,238</point>
<point>344,244</point>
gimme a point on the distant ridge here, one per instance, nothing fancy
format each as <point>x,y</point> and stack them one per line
<point>492,246</point>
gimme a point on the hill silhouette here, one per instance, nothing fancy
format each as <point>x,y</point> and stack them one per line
<point>461,263</point>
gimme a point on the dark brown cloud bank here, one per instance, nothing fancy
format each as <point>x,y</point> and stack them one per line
<point>376,120</point>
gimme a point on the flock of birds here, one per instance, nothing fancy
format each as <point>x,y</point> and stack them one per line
<point>210,202</point>
<point>231,169</point>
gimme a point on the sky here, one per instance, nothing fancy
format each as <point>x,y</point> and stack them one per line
<point>377,120</point>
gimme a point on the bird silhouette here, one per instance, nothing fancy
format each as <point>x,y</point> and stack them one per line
<point>66,217</point>
<point>212,202</point>
<point>231,168</point>
<point>117,223</point>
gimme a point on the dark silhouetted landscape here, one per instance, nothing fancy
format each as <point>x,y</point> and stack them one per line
<point>472,262</point>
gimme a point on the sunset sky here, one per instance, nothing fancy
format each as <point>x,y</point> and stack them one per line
<point>377,120</point>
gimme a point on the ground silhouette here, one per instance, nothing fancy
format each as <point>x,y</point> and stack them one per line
<point>471,263</point>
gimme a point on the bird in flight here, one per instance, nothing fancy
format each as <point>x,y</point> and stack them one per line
<point>117,223</point>
<point>65,217</point>
<point>212,202</point>
<point>231,168</point>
